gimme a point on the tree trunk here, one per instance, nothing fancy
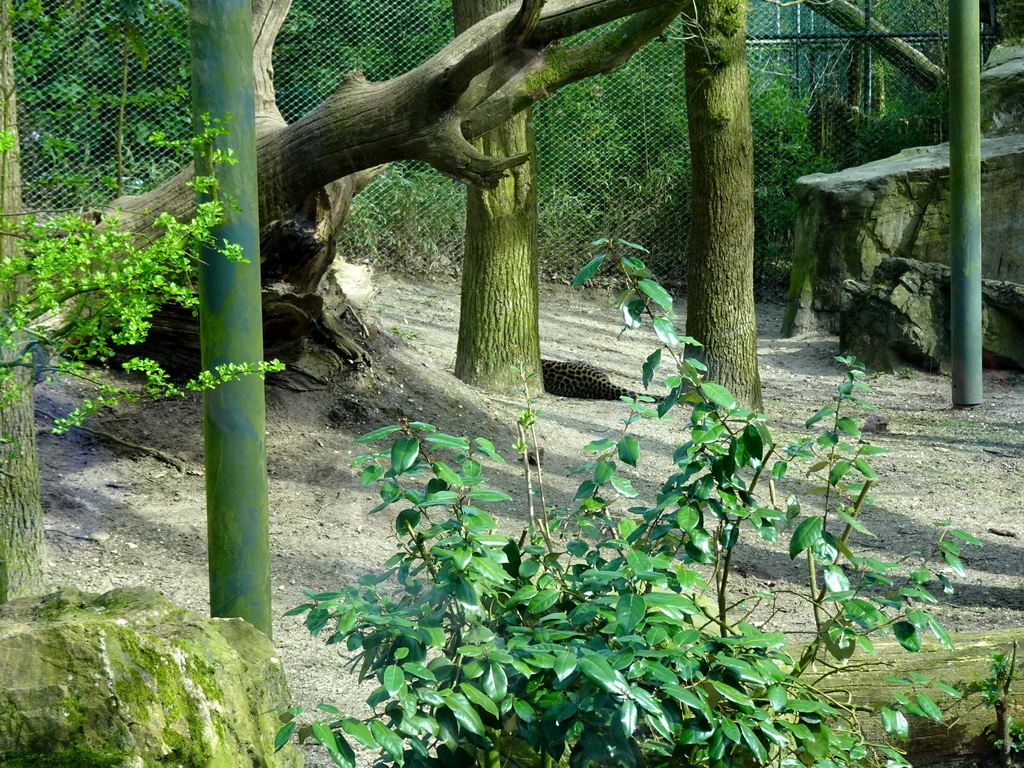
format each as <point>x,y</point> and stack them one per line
<point>720,283</point>
<point>499,325</point>
<point>494,70</point>
<point>866,681</point>
<point>21,514</point>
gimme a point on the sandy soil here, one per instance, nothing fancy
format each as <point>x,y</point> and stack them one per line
<point>116,516</point>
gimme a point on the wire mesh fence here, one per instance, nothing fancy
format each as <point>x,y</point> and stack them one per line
<point>829,89</point>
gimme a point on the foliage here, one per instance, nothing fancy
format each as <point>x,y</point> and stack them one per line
<point>1007,734</point>
<point>392,225</point>
<point>77,289</point>
<point>88,97</point>
<point>608,633</point>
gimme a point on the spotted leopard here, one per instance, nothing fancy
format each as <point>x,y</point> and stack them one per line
<point>581,381</point>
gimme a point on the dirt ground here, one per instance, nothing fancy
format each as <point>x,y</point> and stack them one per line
<point>116,516</point>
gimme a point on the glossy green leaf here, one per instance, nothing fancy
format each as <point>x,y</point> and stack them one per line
<point>687,518</point>
<point>907,635</point>
<point>632,313</point>
<point>718,395</point>
<point>941,634</point>
<point>543,600</point>
<point>589,270</point>
<point>447,474</point>
<point>284,734</point>
<point>629,450</point>
<point>629,611</point>
<point>464,713</point>
<point>604,471</point>
<point>389,742</point>
<point>597,669</point>
<point>828,410</point>
<point>441,440</point>
<point>487,447</point>
<point>627,718</point>
<point>565,665</point>
<point>838,472</point>
<point>895,722</point>
<point>657,294</point>
<point>665,330</point>
<point>807,534</point>
<point>835,579</point>
<point>624,488</point>
<point>753,442</point>
<point>525,711</point>
<point>650,366</point>
<point>479,698</point>
<point>929,707</point>
<point>732,694</point>
<point>966,537</point>
<point>404,452</point>
<point>394,679</point>
<point>377,434</point>
<point>494,681</point>
<point>604,444</point>
<point>370,475</point>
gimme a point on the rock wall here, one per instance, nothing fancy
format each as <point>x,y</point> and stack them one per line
<point>902,318</point>
<point>130,679</point>
<point>848,222</point>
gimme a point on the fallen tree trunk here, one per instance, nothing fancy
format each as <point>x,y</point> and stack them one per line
<point>493,70</point>
<point>865,682</point>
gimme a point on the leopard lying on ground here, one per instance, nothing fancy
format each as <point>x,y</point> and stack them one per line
<point>581,381</point>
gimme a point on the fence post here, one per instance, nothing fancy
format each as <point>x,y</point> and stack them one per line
<point>234,418</point>
<point>965,200</point>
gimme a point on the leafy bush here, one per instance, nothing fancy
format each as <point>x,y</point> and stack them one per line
<point>608,633</point>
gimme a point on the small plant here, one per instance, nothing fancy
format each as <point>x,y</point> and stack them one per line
<point>1007,734</point>
<point>77,289</point>
<point>404,333</point>
<point>608,633</point>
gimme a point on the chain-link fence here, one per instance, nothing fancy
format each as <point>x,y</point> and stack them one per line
<point>97,77</point>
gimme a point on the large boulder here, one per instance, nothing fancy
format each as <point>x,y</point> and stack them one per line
<point>129,679</point>
<point>903,317</point>
<point>1002,92</point>
<point>848,222</point>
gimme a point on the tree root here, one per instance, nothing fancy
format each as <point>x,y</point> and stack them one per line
<point>174,461</point>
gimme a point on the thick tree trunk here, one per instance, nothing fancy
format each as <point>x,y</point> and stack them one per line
<point>494,70</point>
<point>866,682</point>
<point>499,325</point>
<point>21,514</point>
<point>720,282</point>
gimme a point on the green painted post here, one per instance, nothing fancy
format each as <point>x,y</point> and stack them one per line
<point>965,200</point>
<point>234,416</point>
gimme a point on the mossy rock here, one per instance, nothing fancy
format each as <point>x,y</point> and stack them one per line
<point>129,679</point>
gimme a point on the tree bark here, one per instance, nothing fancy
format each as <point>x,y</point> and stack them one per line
<point>499,325</point>
<point>21,514</point>
<point>720,282</point>
<point>492,71</point>
<point>865,681</point>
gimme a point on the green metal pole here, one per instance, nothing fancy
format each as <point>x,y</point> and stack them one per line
<point>231,325</point>
<point>965,200</point>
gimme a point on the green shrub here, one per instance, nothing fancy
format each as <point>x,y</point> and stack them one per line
<point>608,633</point>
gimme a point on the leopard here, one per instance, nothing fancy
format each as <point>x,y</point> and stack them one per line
<point>582,381</point>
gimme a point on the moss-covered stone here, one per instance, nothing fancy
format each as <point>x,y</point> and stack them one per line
<point>903,317</point>
<point>129,679</point>
<point>849,222</point>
